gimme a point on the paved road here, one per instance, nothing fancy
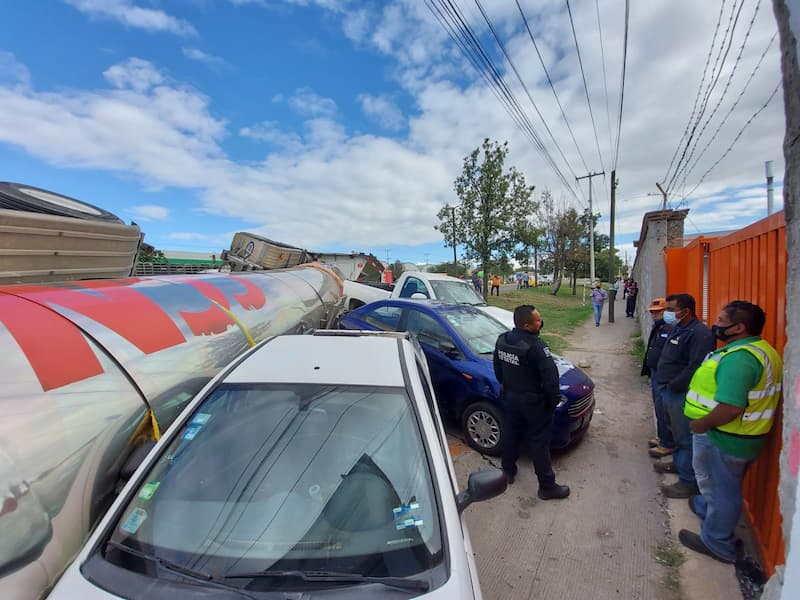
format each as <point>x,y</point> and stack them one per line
<point>601,542</point>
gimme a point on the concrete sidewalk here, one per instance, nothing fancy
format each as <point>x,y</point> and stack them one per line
<point>616,536</point>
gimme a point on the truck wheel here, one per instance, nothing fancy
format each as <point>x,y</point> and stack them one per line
<point>482,424</point>
<point>18,196</point>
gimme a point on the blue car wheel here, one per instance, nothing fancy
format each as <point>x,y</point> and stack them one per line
<point>482,424</point>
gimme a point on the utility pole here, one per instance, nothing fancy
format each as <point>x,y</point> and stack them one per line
<point>591,223</point>
<point>427,254</point>
<point>612,296</point>
<point>663,196</point>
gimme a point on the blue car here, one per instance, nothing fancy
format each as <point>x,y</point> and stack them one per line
<point>458,341</point>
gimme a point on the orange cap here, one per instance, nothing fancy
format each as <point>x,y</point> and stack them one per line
<point>657,304</point>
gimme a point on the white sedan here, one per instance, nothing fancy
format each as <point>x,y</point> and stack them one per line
<point>315,466</point>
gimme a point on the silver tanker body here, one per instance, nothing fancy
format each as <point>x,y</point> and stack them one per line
<point>92,371</point>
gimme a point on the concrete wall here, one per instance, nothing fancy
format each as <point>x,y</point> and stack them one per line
<point>787,14</point>
<point>661,229</point>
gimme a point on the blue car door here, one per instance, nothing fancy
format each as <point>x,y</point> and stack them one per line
<point>443,355</point>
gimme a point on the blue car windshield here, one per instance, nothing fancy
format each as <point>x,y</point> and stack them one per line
<point>290,476</point>
<point>478,330</point>
<point>456,292</point>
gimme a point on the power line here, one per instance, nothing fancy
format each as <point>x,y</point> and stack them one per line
<point>730,110</point>
<point>736,139</point>
<point>732,22</point>
<point>719,101</point>
<point>552,87</point>
<point>459,30</point>
<point>699,91</point>
<point>622,83</point>
<point>585,87</point>
<point>522,83</point>
<point>605,80</point>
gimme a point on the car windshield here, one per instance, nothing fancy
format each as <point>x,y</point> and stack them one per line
<point>281,477</point>
<point>478,330</point>
<point>456,292</point>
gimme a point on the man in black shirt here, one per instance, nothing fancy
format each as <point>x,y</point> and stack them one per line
<point>685,348</point>
<point>663,445</point>
<point>529,381</point>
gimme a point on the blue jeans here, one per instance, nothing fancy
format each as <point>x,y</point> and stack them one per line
<point>679,424</point>
<point>598,311</point>
<point>719,477</point>
<point>663,432</point>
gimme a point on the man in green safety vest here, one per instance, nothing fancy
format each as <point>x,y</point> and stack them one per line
<point>732,400</point>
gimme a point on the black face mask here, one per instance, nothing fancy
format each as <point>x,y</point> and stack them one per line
<point>720,332</point>
<point>541,324</point>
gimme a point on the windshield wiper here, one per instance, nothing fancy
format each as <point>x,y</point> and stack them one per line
<point>170,566</point>
<point>335,577</point>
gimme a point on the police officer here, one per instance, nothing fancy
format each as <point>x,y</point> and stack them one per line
<point>529,379</point>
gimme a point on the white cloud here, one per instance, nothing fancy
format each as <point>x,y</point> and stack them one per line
<point>149,212</point>
<point>135,73</point>
<point>136,17</point>
<point>204,57</point>
<point>13,72</point>
<point>270,131</point>
<point>308,103</point>
<point>382,110</point>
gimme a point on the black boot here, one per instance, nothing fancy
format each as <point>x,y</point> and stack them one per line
<point>556,492</point>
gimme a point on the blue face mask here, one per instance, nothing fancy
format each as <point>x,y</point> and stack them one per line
<point>670,318</point>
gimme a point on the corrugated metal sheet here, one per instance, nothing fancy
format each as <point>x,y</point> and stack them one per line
<point>749,264</point>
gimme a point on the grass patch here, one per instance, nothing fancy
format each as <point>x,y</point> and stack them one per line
<point>638,348</point>
<point>671,557</point>
<point>561,313</point>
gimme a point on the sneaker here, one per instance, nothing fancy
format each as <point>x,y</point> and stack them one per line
<point>694,542</point>
<point>660,451</point>
<point>665,467</point>
<point>557,492</point>
<point>680,490</point>
<point>597,324</point>
<point>653,442</point>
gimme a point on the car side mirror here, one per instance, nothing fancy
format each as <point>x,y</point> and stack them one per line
<point>482,485</point>
<point>419,296</point>
<point>449,349</point>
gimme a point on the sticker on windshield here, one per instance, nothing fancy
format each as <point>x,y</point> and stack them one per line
<point>405,516</point>
<point>201,418</point>
<point>191,432</point>
<point>148,490</point>
<point>134,521</point>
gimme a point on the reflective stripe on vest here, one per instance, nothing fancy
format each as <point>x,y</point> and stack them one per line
<point>762,400</point>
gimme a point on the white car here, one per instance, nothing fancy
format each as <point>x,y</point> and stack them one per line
<point>314,466</point>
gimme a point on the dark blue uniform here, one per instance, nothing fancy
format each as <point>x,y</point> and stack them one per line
<point>524,367</point>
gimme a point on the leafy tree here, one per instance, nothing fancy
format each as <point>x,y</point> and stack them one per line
<point>149,254</point>
<point>492,203</point>
<point>449,268</point>
<point>532,240</point>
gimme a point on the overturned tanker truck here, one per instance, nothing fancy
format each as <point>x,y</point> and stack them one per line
<point>93,371</point>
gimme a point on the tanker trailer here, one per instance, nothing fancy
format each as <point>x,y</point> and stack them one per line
<point>92,371</point>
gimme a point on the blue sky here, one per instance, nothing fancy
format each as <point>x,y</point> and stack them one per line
<point>341,125</point>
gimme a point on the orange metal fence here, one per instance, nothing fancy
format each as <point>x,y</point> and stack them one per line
<point>749,264</point>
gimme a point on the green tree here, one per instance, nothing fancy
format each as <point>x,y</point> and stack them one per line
<point>492,203</point>
<point>397,269</point>
<point>149,254</point>
<point>447,267</point>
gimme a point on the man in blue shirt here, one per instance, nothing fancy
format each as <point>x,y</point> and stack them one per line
<point>684,351</point>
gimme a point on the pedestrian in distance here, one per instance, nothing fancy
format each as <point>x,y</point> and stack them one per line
<point>732,400</point>
<point>529,383</point>
<point>613,290</point>
<point>495,285</point>
<point>518,277</point>
<point>630,302</point>
<point>663,444</point>
<point>599,297</point>
<point>685,348</point>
